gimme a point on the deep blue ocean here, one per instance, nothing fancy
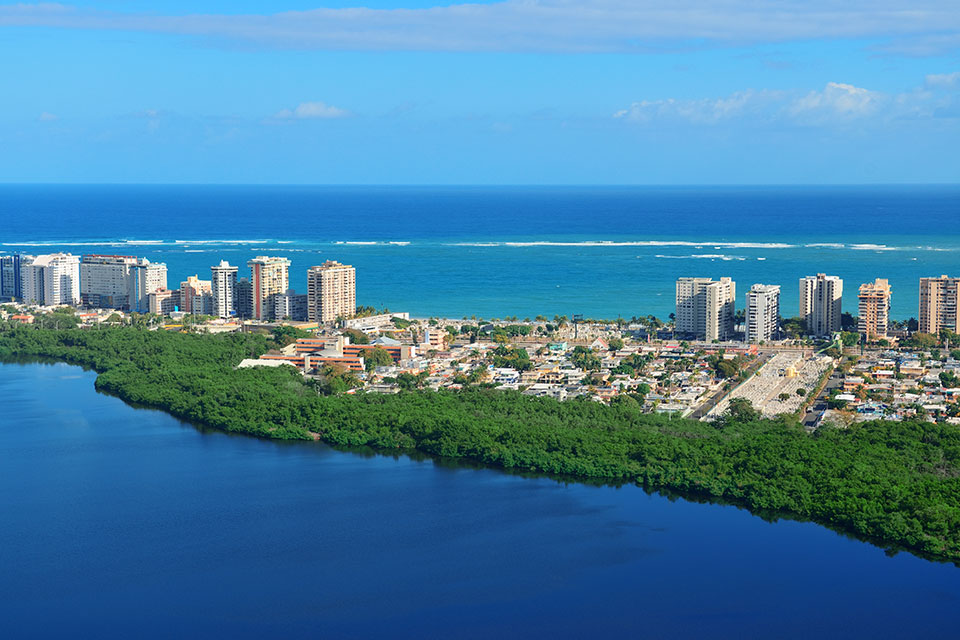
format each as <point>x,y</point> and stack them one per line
<point>499,251</point>
<point>126,523</point>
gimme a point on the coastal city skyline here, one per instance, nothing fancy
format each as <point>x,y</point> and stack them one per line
<point>705,308</point>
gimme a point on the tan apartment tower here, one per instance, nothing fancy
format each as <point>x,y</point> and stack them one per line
<point>331,292</point>
<point>874,309</point>
<point>268,277</point>
<point>195,296</point>
<point>820,303</point>
<point>705,307</point>
<point>938,305</point>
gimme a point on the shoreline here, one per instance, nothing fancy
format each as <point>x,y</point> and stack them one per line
<point>692,496</point>
<point>374,422</point>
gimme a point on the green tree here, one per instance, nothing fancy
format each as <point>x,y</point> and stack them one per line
<point>376,357</point>
<point>356,336</point>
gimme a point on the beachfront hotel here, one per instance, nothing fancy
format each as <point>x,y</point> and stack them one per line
<point>874,300</point>
<point>331,292</point>
<point>269,276</point>
<point>820,303</point>
<point>762,313</point>
<point>938,305</point>
<point>705,307</point>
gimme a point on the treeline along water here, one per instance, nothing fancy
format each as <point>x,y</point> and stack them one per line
<point>498,251</point>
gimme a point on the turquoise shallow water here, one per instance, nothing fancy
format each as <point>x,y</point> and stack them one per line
<point>123,522</point>
<point>522,251</point>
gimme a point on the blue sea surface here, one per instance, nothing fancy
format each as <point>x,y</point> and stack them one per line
<point>499,251</point>
<point>126,523</point>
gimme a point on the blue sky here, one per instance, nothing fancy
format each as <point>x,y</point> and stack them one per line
<point>525,91</point>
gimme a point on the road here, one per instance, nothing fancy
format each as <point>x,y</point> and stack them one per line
<point>820,404</point>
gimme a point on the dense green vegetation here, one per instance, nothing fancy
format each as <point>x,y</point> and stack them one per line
<point>895,483</point>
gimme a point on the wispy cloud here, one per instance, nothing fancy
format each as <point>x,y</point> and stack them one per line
<point>920,27</point>
<point>943,80</point>
<point>47,117</point>
<point>836,103</point>
<point>310,111</point>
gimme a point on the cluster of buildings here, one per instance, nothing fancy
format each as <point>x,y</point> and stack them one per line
<point>706,308</point>
<point>129,283</point>
<point>895,385</point>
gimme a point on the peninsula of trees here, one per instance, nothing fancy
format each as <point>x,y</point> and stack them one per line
<point>895,483</point>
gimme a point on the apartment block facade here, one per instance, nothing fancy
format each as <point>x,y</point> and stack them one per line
<point>706,307</point>
<point>120,282</point>
<point>331,292</point>
<point>763,313</point>
<point>50,280</point>
<point>938,305</point>
<point>10,277</point>
<point>874,298</point>
<point>196,296</point>
<point>269,276</point>
<point>223,288</point>
<point>821,301</point>
<point>290,305</point>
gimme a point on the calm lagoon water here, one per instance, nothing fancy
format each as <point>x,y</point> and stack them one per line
<point>124,522</point>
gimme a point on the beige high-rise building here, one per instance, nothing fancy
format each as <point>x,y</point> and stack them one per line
<point>331,292</point>
<point>821,298</point>
<point>705,307</point>
<point>938,304</point>
<point>196,296</point>
<point>269,276</point>
<point>874,309</point>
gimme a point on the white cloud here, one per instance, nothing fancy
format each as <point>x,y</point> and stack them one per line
<point>836,104</point>
<point>920,27</point>
<point>943,80</point>
<point>311,110</point>
<point>837,99</point>
<point>702,110</point>
<point>47,117</point>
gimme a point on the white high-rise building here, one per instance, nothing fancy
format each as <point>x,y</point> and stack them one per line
<point>51,280</point>
<point>120,282</point>
<point>820,303</point>
<point>331,292</point>
<point>763,312</point>
<point>268,277</point>
<point>705,308</point>
<point>223,285</point>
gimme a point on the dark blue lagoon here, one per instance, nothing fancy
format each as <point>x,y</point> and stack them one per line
<point>124,522</point>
